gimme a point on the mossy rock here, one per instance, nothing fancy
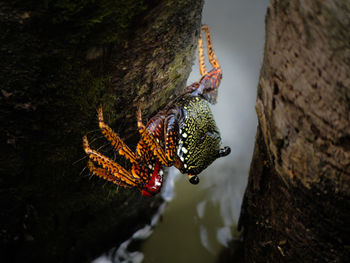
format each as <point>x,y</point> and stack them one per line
<point>59,61</point>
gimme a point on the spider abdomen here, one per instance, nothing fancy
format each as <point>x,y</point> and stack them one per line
<point>199,137</point>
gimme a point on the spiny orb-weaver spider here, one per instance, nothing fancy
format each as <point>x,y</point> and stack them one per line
<point>183,134</point>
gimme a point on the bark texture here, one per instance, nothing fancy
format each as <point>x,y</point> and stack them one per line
<point>296,206</point>
<point>59,61</point>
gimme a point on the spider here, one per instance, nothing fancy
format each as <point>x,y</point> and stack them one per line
<point>183,134</point>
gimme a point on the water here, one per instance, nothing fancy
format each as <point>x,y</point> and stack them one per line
<point>199,220</point>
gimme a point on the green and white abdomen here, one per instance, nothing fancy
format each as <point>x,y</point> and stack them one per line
<point>199,137</point>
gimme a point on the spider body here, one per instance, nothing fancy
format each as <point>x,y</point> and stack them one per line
<point>183,134</point>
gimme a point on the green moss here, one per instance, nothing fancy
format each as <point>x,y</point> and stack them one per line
<point>52,94</point>
<point>56,69</point>
<point>177,78</point>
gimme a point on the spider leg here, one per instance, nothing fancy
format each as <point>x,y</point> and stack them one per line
<point>201,58</point>
<point>212,58</point>
<point>105,174</point>
<point>171,136</point>
<point>150,141</point>
<point>112,167</point>
<point>209,83</point>
<point>115,140</point>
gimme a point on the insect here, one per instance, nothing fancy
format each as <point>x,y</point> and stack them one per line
<point>183,134</point>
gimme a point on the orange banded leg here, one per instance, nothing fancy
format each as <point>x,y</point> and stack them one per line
<point>171,137</point>
<point>212,58</point>
<point>201,58</point>
<point>112,167</point>
<point>143,153</point>
<point>114,139</point>
<point>105,174</point>
<point>150,141</point>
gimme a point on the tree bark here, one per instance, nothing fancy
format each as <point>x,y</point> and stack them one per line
<point>59,61</point>
<point>296,205</point>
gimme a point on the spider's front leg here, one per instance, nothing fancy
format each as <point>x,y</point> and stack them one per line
<point>210,81</point>
<point>201,58</point>
<point>212,58</point>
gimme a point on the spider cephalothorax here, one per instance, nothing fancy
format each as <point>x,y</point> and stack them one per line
<point>183,134</point>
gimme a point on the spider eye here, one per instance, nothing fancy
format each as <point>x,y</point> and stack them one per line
<point>194,179</point>
<point>224,151</point>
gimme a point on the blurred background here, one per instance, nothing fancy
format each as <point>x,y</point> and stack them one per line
<point>199,221</point>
